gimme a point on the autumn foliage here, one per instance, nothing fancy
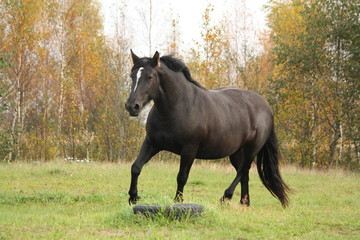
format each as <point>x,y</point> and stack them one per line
<point>63,82</point>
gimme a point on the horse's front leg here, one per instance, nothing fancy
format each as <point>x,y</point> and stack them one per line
<point>146,153</point>
<point>186,161</point>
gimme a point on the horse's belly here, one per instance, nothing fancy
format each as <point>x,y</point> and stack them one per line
<point>207,149</point>
<point>217,149</point>
<point>207,155</point>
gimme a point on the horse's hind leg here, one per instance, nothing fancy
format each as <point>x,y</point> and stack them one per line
<point>242,162</point>
<point>235,160</point>
<point>249,154</point>
<point>245,197</point>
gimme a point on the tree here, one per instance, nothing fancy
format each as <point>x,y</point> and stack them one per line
<point>174,36</point>
<point>310,78</point>
<point>5,147</point>
<point>209,63</point>
<point>243,46</point>
<point>151,14</point>
<point>342,19</point>
<point>19,42</point>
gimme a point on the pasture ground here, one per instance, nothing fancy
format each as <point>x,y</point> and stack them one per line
<point>89,201</point>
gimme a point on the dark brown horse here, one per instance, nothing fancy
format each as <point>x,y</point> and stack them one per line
<point>194,122</point>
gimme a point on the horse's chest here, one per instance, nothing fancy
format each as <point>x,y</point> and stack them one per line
<point>167,136</point>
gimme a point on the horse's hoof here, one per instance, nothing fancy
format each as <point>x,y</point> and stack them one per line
<point>245,201</point>
<point>224,199</point>
<point>134,200</point>
<point>179,199</point>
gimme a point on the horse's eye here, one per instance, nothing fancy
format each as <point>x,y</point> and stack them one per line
<point>149,77</point>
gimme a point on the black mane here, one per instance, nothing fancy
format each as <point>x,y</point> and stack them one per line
<point>173,63</point>
<point>177,65</point>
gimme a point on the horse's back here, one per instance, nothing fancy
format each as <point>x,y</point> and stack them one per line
<point>235,117</point>
<point>241,97</point>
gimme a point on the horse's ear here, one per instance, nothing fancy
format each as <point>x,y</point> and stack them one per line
<point>134,58</point>
<point>156,59</point>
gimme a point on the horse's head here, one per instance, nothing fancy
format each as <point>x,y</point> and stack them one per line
<point>145,82</point>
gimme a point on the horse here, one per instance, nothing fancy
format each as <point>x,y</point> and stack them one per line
<point>196,123</point>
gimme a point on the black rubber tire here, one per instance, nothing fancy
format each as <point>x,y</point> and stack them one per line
<point>146,210</point>
<point>177,211</point>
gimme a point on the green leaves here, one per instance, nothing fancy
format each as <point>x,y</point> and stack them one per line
<point>313,76</point>
<point>63,84</point>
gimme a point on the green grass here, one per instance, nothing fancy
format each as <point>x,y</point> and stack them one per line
<point>89,201</point>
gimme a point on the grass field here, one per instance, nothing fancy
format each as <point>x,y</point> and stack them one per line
<point>89,201</point>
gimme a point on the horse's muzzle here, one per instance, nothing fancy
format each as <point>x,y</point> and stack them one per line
<point>133,109</point>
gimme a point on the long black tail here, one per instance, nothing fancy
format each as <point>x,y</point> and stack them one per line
<point>268,169</point>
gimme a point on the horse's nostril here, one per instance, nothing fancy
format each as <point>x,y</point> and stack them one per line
<point>136,107</point>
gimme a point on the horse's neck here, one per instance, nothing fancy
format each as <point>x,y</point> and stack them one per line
<point>173,88</point>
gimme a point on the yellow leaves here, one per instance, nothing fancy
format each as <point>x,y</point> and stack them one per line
<point>309,107</point>
<point>209,64</point>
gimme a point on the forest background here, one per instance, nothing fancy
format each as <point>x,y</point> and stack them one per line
<point>63,82</point>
